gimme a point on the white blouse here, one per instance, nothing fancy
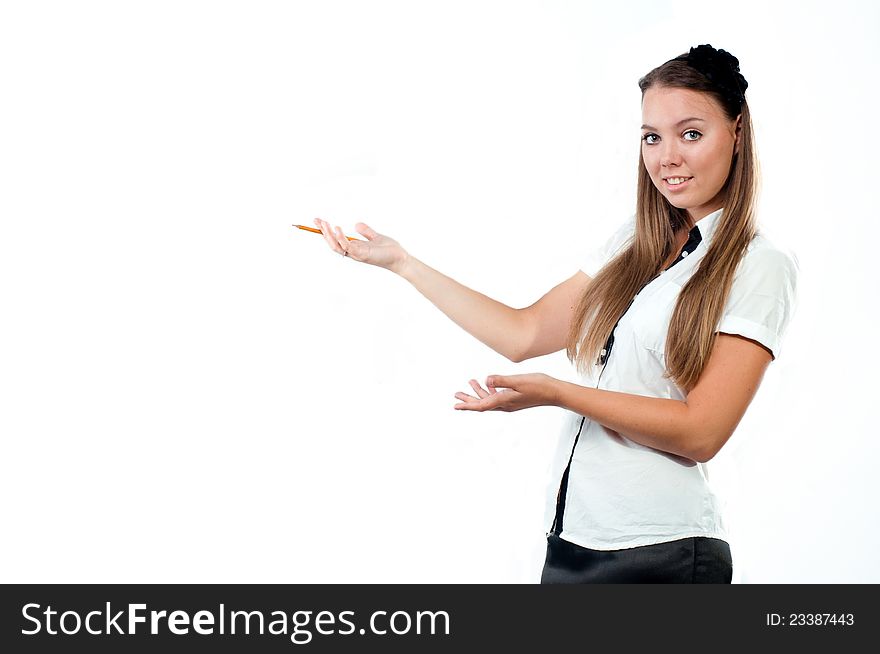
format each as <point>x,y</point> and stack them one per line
<point>622,494</point>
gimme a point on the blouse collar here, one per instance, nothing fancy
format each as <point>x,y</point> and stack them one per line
<point>706,225</point>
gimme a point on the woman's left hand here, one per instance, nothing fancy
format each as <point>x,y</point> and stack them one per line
<point>522,392</point>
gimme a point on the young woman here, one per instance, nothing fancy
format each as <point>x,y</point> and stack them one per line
<point>671,325</point>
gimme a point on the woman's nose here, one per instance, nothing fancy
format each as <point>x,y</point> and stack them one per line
<point>670,155</point>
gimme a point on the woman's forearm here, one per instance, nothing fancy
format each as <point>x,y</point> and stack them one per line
<point>497,325</point>
<point>661,423</point>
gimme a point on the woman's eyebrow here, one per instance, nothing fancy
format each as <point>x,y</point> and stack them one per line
<point>681,122</point>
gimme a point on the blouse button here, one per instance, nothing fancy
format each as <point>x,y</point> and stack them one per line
<point>684,253</point>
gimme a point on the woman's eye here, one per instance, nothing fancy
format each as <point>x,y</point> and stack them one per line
<point>647,137</point>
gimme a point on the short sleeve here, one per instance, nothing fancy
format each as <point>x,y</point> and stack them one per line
<point>763,297</point>
<point>595,259</point>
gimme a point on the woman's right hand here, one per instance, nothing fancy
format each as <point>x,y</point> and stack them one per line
<point>378,250</point>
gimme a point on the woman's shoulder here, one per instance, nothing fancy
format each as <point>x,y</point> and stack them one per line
<point>625,230</point>
<point>765,255</point>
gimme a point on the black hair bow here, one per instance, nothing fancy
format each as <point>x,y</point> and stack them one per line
<point>721,68</point>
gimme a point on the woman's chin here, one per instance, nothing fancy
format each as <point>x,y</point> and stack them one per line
<point>680,202</point>
<point>675,201</point>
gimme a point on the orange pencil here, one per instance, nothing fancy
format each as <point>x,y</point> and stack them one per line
<point>318,231</point>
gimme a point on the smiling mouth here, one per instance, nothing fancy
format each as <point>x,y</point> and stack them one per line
<point>676,183</point>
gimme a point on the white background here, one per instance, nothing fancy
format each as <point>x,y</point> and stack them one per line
<point>192,390</point>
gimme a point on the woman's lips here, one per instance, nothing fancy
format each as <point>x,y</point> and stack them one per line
<point>677,187</point>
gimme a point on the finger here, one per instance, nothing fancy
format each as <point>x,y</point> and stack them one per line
<point>495,381</point>
<point>341,241</point>
<point>479,389</point>
<point>325,230</point>
<point>464,397</point>
<point>366,230</point>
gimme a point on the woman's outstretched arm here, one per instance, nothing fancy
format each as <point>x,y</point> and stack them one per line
<point>516,334</point>
<point>502,328</point>
<point>696,428</point>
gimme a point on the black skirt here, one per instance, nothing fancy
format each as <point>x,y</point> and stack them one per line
<point>696,560</point>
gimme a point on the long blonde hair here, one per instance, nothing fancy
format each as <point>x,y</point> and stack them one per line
<point>702,300</point>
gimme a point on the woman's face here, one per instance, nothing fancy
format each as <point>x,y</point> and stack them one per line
<point>686,135</point>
